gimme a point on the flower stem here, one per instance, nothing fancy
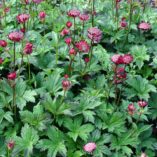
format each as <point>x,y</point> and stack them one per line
<point>116,87</point>
<point>74,29</point>
<point>8,153</point>
<point>91,54</point>
<point>14,57</point>
<point>29,71</point>
<point>117,14</point>
<point>14,99</point>
<point>93,9</point>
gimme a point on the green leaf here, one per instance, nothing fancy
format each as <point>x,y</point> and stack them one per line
<point>114,123</point>
<point>139,87</point>
<point>6,115</point>
<point>77,130</point>
<point>53,82</point>
<point>29,95</point>
<point>37,118</point>
<point>55,144</point>
<point>26,142</point>
<point>56,106</point>
<point>140,55</point>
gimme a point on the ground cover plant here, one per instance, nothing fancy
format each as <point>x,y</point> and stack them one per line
<point>78,78</point>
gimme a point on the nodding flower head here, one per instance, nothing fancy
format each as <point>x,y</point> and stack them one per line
<point>73,13</point>
<point>66,84</point>
<point>117,59</point>
<point>83,46</point>
<point>84,17</point>
<point>3,43</point>
<point>69,24</point>
<point>16,36</point>
<point>123,22</point>
<point>94,34</point>
<point>10,145</point>
<point>11,76</point>
<point>142,104</point>
<point>38,1</point>
<point>144,26</point>
<point>42,15</point>
<point>131,108</point>
<point>23,18</point>
<point>28,48</point>
<point>127,58</point>
<point>64,32</point>
<point>68,41</point>
<point>89,147</point>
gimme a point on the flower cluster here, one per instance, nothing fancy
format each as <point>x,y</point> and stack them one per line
<point>77,42</point>
<point>120,73</point>
<point>122,59</point>
<point>28,48</point>
<point>131,107</point>
<point>94,34</point>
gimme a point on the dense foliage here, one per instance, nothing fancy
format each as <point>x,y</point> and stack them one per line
<point>78,78</point>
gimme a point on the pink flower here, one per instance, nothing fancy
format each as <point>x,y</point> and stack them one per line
<point>89,147</point>
<point>22,18</point>
<point>23,30</point>
<point>84,17</point>
<point>142,104</point>
<point>123,22</point>
<point>3,43</point>
<point>66,76</point>
<point>16,36</point>
<point>1,60</point>
<point>68,41</point>
<point>72,52</point>
<point>11,76</point>
<point>94,34</point>
<point>42,15</point>
<point>131,108</point>
<point>144,26</point>
<point>28,48</point>
<point>73,13</point>
<point>27,1</point>
<point>83,46</point>
<point>86,59</point>
<point>10,145</point>
<point>117,59</point>
<point>6,10</point>
<point>37,1</point>
<point>69,24</point>
<point>64,32</point>
<point>127,58</point>
<point>66,84</point>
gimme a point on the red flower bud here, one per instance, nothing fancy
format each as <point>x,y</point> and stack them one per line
<point>1,60</point>
<point>72,51</point>
<point>142,104</point>
<point>131,108</point>
<point>69,24</point>
<point>10,145</point>
<point>12,76</point>
<point>66,84</point>
<point>68,41</point>
<point>3,43</point>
